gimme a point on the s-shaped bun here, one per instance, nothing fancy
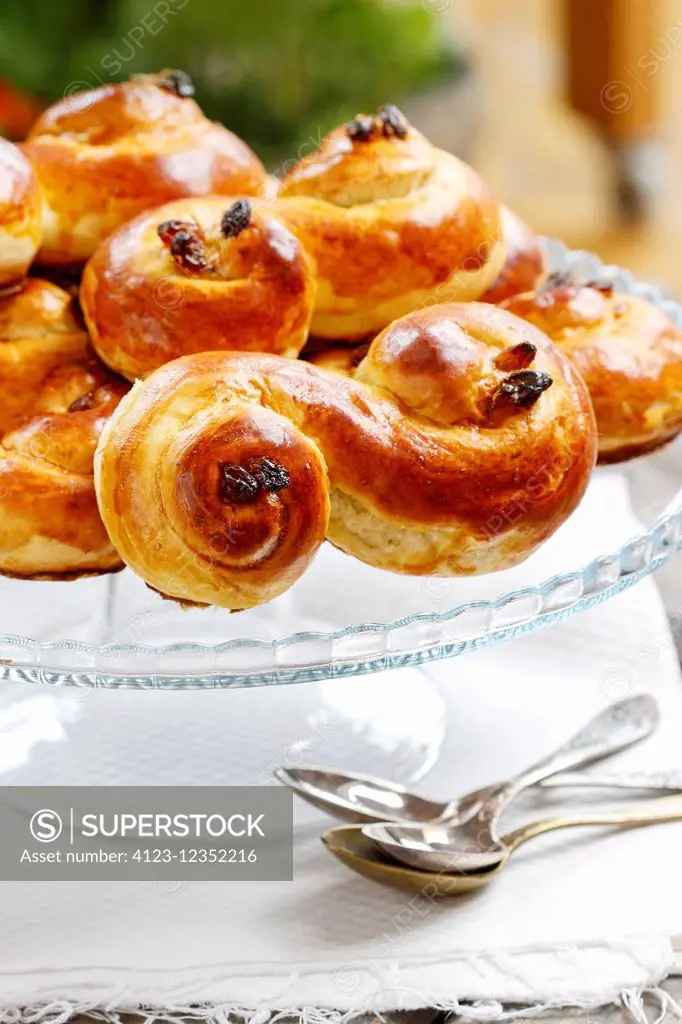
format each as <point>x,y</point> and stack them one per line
<point>628,352</point>
<point>105,155</point>
<point>460,443</point>
<point>392,222</point>
<point>39,331</point>
<point>193,276</point>
<point>50,527</point>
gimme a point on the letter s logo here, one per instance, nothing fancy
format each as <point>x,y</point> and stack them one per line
<point>46,825</point>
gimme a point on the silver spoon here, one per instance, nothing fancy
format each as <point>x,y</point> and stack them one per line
<point>668,779</point>
<point>363,798</point>
<point>350,844</point>
<point>461,850</point>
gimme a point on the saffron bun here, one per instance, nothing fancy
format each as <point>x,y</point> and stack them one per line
<point>105,155</point>
<point>195,275</point>
<point>461,441</point>
<point>629,354</point>
<point>20,217</point>
<point>393,224</point>
<point>524,266</point>
<point>39,330</point>
<point>50,527</point>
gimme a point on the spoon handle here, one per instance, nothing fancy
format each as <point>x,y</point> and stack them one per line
<point>615,728</point>
<point>621,780</point>
<point>649,812</point>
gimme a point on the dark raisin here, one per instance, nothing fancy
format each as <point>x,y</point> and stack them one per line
<point>169,229</point>
<point>188,250</point>
<point>521,389</point>
<point>518,357</point>
<point>271,476</point>
<point>85,402</point>
<point>236,219</point>
<point>178,82</point>
<point>361,128</point>
<point>237,485</point>
<point>393,121</point>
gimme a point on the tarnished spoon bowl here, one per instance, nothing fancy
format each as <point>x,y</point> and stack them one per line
<point>371,857</point>
<point>361,855</point>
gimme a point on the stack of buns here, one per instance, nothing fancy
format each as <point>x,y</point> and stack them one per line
<point>369,352</point>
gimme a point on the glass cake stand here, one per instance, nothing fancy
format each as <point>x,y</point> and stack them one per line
<point>344,618</point>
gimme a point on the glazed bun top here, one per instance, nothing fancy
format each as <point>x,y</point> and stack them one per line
<point>105,155</point>
<point>392,222</point>
<point>19,215</point>
<point>628,351</point>
<point>39,330</point>
<point>197,275</point>
<point>524,267</point>
<point>370,159</point>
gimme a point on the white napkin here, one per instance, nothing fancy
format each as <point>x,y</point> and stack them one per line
<point>577,919</point>
<point>651,481</point>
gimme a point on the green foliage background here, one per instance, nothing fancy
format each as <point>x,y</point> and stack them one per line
<point>278,72</point>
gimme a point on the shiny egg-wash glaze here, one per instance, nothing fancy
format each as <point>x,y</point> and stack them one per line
<point>524,265</point>
<point>105,155</point>
<point>463,442</point>
<point>193,276</point>
<point>50,527</point>
<point>39,331</point>
<point>20,216</point>
<point>392,222</point>
<point>629,354</point>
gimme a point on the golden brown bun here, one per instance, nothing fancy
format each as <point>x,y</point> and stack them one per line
<point>629,354</point>
<point>197,275</point>
<point>393,224</point>
<point>50,526</point>
<point>39,330</point>
<point>524,267</point>
<point>443,453</point>
<point>19,215</point>
<point>102,157</point>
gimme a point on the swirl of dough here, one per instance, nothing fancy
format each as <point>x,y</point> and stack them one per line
<point>39,330</point>
<point>224,502</point>
<point>103,156</point>
<point>461,441</point>
<point>50,527</point>
<point>628,352</point>
<point>197,275</point>
<point>392,222</point>
<point>20,217</point>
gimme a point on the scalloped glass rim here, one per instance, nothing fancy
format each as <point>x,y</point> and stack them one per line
<point>367,647</point>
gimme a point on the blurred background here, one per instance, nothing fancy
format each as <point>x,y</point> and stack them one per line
<point>572,109</point>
